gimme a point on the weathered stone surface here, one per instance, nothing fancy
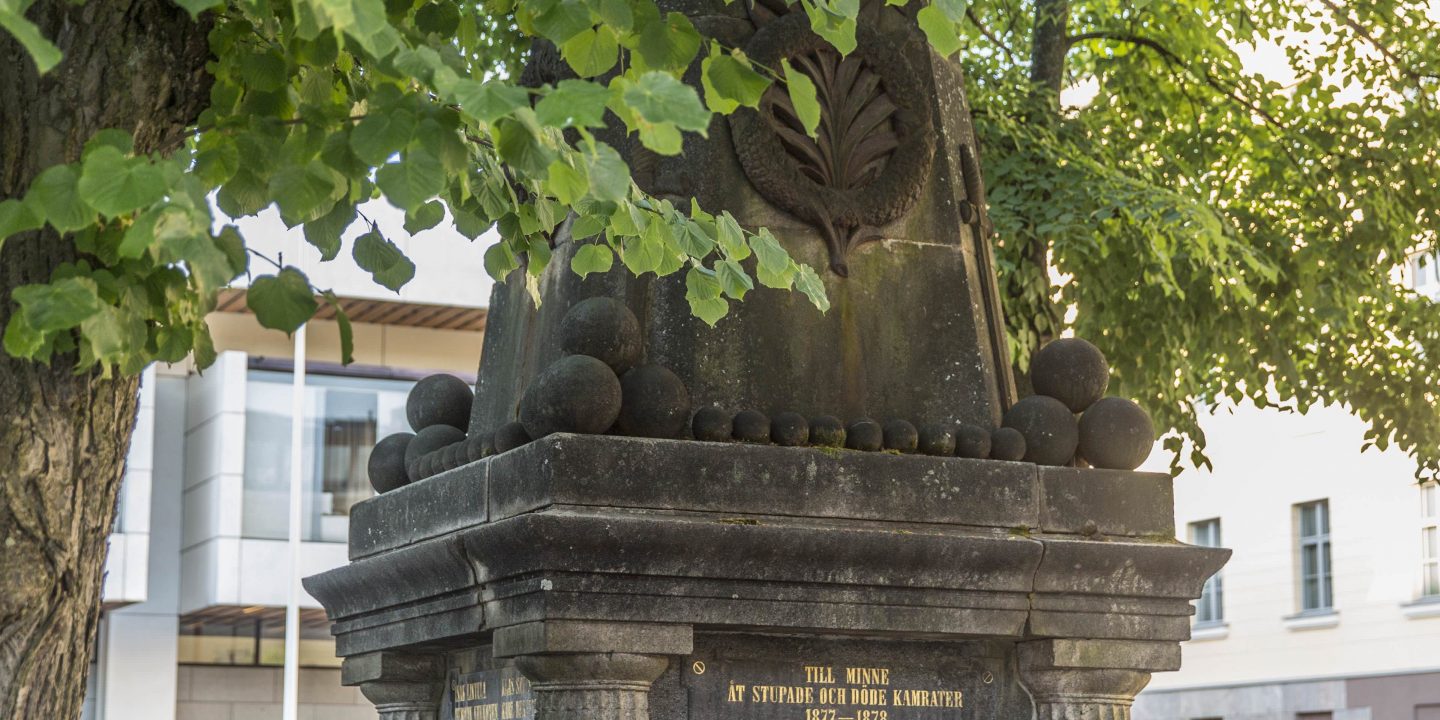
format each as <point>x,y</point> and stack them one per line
<point>386,466</point>
<point>1070,370</point>
<point>572,636</point>
<point>511,435</point>
<point>937,439</point>
<point>605,329</point>
<point>827,431</point>
<point>1107,502</point>
<point>900,435</point>
<point>973,441</point>
<point>865,435</point>
<point>789,429</point>
<point>711,424</point>
<point>439,400</point>
<point>1116,433</point>
<point>750,426</point>
<point>419,511</point>
<point>1007,444</point>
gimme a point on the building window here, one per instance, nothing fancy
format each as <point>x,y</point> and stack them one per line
<point>1210,609</point>
<point>254,636</point>
<point>344,416</point>
<point>1324,715</point>
<point>1316,590</point>
<point>1430,540</point>
<point>1425,270</point>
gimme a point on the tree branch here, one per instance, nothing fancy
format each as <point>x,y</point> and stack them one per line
<point>992,37</point>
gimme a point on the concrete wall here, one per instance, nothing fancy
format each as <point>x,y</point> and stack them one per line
<point>211,692</point>
<point>383,345</point>
<point>127,565</point>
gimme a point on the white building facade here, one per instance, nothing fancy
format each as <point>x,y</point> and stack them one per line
<point>198,568</point>
<point>1329,608</point>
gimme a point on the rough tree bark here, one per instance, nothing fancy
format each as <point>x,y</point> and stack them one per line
<point>137,65</point>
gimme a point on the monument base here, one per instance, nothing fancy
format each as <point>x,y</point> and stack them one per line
<point>611,578</point>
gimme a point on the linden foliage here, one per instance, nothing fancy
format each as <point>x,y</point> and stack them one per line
<point>321,105</point>
<point>1225,236</point>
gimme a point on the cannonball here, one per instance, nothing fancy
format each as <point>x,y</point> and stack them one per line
<point>577,394</point>
<point>479,446</point>
<point>937,439</point>
<point>750,426</point>
<point>427,441</point>
<point>789,429</point>
<point>439,400</point>
<point>973,441</point>
<point>429,464</point>
<point>827,431</point>
<point>900,435</point>
<point>452,456</point>
<point>654,402</point>
<point>387,462</point>
<point>1007,444</point>
<point>864,434</point>
<point>603,328</point>
<point>511,435</point>
<point>711,424</point>
<point>1051,434</point>
<point>1117,434</point>
<point>1070,370</point>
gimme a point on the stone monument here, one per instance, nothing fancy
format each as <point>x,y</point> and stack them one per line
<point>628,564</point>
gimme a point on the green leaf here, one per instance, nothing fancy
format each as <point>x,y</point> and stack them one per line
<point>382,134</point>
<point>195,7</point>
<point>694,241</point>
<point>232,246</point>
<point>663,138</point>
<point>264,71</point>
<point>802,97</point>
<point>500,261</point>
<point>217,164</point>
<point>562,20</point>
<point>609,175</point>
<point>807,282</point>
<point>42,51</point>
<point>425,217</point>
<point>953,9</point>
<point>731,237</point>
<point>566,183</point>
<point>115,185</point>
<point>575,103</point>
<point>56,193</point>
<point>592,258</point>
<point>592,51</point>
<point>383,260</point>
<point>733,279</point>
<point>416,178</point>
<point>17,217</point>
<point>488,102</point>
<point>773,267</point>
<point>702,291</point>
<point>21,340</point>
<point>347,333</point>
<point>518,146</point>
<point>730,83</point>
<point>441,18</point>
<point>283,301</point>
<point>615,13</point>
<point>659,98</point>
<point>668,44</point>
<point>111,138</point>
<point>324,232</point>
<point>59,305</point>
<point>468,223</point>
<point>939,29</point>
<point>303,192</point>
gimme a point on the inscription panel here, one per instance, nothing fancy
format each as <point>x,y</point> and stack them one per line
<point>500,694</point>
<point>778,690</point>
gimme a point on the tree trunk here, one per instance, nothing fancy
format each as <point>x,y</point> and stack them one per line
<point>1049,43</point>
<point>137,65</point>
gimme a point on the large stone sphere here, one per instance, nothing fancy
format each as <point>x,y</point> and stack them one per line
<point>452,456</point>
<point>654,402</point>
<point>576,394</point>
<point>711,424</point>
<point>827,431</point>
<point>937,439</point>
<point>789,429</point>
<point>973,441</point>
<point>864,434</point>
<point>1070,370</point>
<point>901,435</point>
<point>1116,434</point>
<point>439,400</point>
<point>387,462</point>
<point>750,426</point>
<point>603,328</point>
<point>427,441</point>
<point>511,435</point>
<point>1007,444</point>
<point>479,446</point>
<point>1050,431</point>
